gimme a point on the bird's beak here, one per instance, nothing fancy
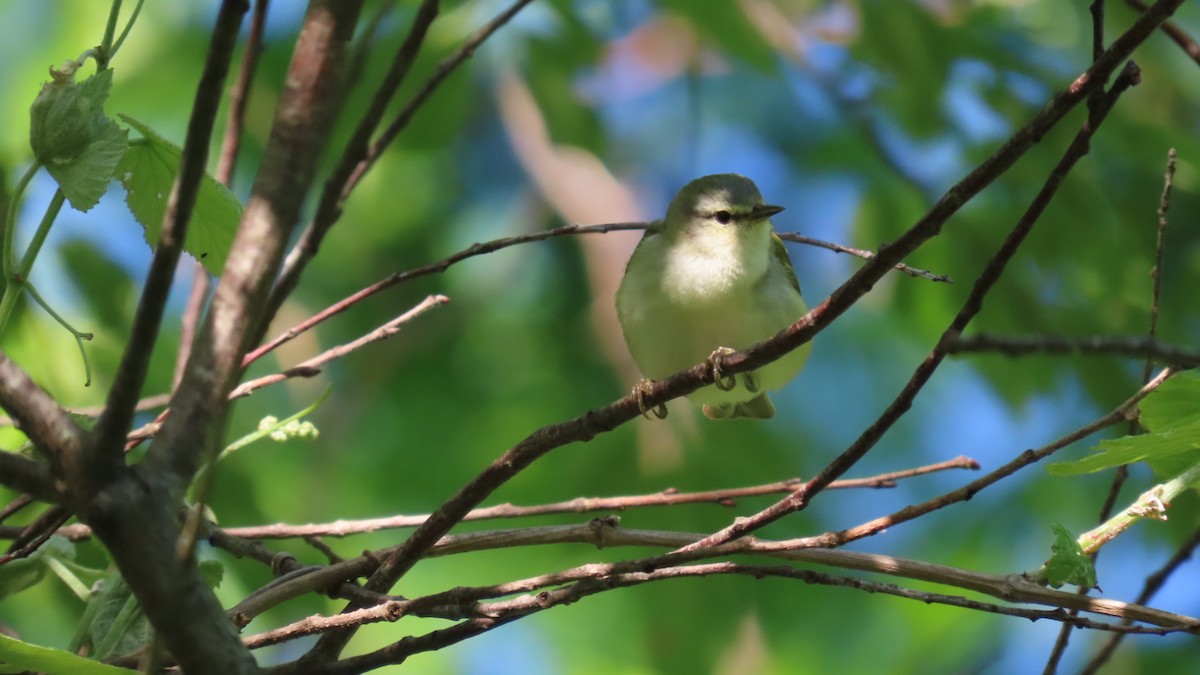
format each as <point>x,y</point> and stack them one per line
<point>763,212</point>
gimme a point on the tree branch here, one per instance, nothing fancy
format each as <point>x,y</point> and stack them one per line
<point>335,191</point>
<point>432,268</point>
<point>1103,345</point>
<point>1177,34</point>
<point>39,416</point>
<point>108,454</point>
<point>312,88</point>
<point>1120,413</point>
<point>29,476</point>
<point>1154,582</point>
<point>313,366</point>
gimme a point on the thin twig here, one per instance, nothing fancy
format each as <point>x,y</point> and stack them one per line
<point>865,255</point>
<point>313,366</point>
<point>1164,204</point>
<point>1102,345</point>
<point>28,476</point>
<point>1120,413</point>
<point>1122,472</point>
<point>148,403</point>
<point>36,533</point>
<point>432,268</point>
<point>336,190</point>
<point>1153,583</point>
<point>310,368</point>
<point>505,242</point>
<point>1177,34</point>
<point>239,96</point>
<point>486,616</point>
<point>460,602</point>
<point>135,362</point>
<point>668,497</point>
<point>442,71</point>
<point>22,501</point>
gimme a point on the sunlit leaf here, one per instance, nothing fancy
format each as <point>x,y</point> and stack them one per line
<point>148,172</point>
<point>77,143</point>
<point>1068,564</point>
<point>16,656</point>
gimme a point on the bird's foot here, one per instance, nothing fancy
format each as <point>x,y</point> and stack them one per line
<point>714,364</point>
<point>750,382</point>
<point>639,391</point>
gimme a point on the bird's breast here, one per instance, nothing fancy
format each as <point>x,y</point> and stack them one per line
<point>695,273</point>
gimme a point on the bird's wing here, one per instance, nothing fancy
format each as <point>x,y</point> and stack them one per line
<point>780,252</point>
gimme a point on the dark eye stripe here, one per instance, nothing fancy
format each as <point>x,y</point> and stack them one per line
<point>723,217</point>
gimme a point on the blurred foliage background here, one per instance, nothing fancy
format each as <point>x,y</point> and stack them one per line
<point>853,115</point>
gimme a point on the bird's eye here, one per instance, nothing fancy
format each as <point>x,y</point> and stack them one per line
<point>723,217</point>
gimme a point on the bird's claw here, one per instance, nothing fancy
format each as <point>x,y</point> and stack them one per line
<point>714,363</point>
<point>639,392</point>
<point>750,382</point>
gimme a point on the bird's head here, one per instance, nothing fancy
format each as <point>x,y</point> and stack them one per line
<point>724,202</point>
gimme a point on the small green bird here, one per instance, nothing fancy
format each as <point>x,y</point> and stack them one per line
<point>710,279</point>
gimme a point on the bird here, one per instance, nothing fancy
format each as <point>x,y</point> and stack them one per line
<point>711,278</point>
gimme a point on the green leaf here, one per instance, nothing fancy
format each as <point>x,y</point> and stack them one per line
<point>1171,413</point>
<point>22,573</point>
<point>148,171</point>
<point>1175,403</point>
<point>212,571</point>
<point>118,624</point>
<point>1129,449</point>
<point>84,180</point>
<point>1068,564</point>
<point>70,134</point>
<point>16,656</point>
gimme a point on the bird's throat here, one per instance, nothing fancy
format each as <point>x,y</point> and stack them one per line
<point>699,269</point>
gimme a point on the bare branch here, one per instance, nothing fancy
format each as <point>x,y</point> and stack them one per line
<point>865,255</point>
<point>30,476</point>
<point>505,242</point>
<point>36,533</point>
<point>289,161</point>
<point>968,491</point>
<point>1103,345</point>
<point>131,374</point>
<point>313,366</point>
<point>335,191</point>
<point>240,94</point>
<point>234,537</point>
<point>461,602</point>
<point>597,578</point>
<point>432,268</point>
<point>1177,34</point>
<point>1154,582</point>
<point>440,73</point>
<point>668,497</point>
<point>51,428</point>
<point>148,403</point>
